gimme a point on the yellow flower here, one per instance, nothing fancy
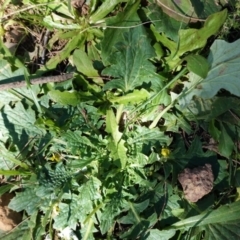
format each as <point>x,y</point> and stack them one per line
<point>165,152</point>
<point>56,157</point>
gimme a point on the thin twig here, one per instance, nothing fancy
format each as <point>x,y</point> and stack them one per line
<point>41,80</point>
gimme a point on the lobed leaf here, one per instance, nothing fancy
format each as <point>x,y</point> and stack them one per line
<point>130,65</point>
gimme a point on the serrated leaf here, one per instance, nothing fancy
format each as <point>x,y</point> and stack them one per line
<point>7,74</point>
<point>65,98</point>
<point>110,211</point>
<point>77,210</point>
<point>129,63</point>
<point>163,23</point>
<point>26,200</point>
<point>198,65</point>
<point>114,35</point>
<point>18,122</point>
<point>76,139</point>
<point>146,135</point>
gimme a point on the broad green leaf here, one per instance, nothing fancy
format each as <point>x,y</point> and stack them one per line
<point>116,146</point>
<point>117,26</point>
<point>7,75</point>
<point>134,97</point>
<point>222,215</point>
<point>8,159</point>
<point>79,206</point>
<point>129,63</point>
<point>163,23</point>
<point>84,64</point>
<point>19,124</point>
<point>192,39</point>
<point>198,65</point>
<point>26,200</point>
<point>224,73</point>
<point>223,231</point>
<point>65,98</point>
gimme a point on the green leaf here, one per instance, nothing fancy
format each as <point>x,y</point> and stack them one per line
<point>103,10</point>
<point>5,188</point>
<point>17,233</point>
<point>130,65</point>
<point>223,74</point>
<point>116,147</point>
<point>65,98</point>
<point>77,40</point>
<point>7,74</point>
<point>136,96</point>
<point>76,139</point>
<point>149,136</point>
<point>222,215</point>
<point>113,35</point>
<point>26,200</point>
<point>110,211</point>
<point>163,23</point>
<point>155,234</point>
<point>84,64</point>
<point>8,159</point>
<point>223,231</point>
<point>18,122</point>
<point>226,143</point>
<point>198,65</point>
<point>189,10</point>
<point>79,206</point>
<point>191,39</point>
<point>14,172</point>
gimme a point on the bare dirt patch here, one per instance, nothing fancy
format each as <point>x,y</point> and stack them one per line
<point>8,218</point>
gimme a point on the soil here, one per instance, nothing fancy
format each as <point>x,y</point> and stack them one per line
<point>197,182</point>
<point>8,218</point>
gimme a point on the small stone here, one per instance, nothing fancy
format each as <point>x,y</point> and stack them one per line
<point>196,182</point>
